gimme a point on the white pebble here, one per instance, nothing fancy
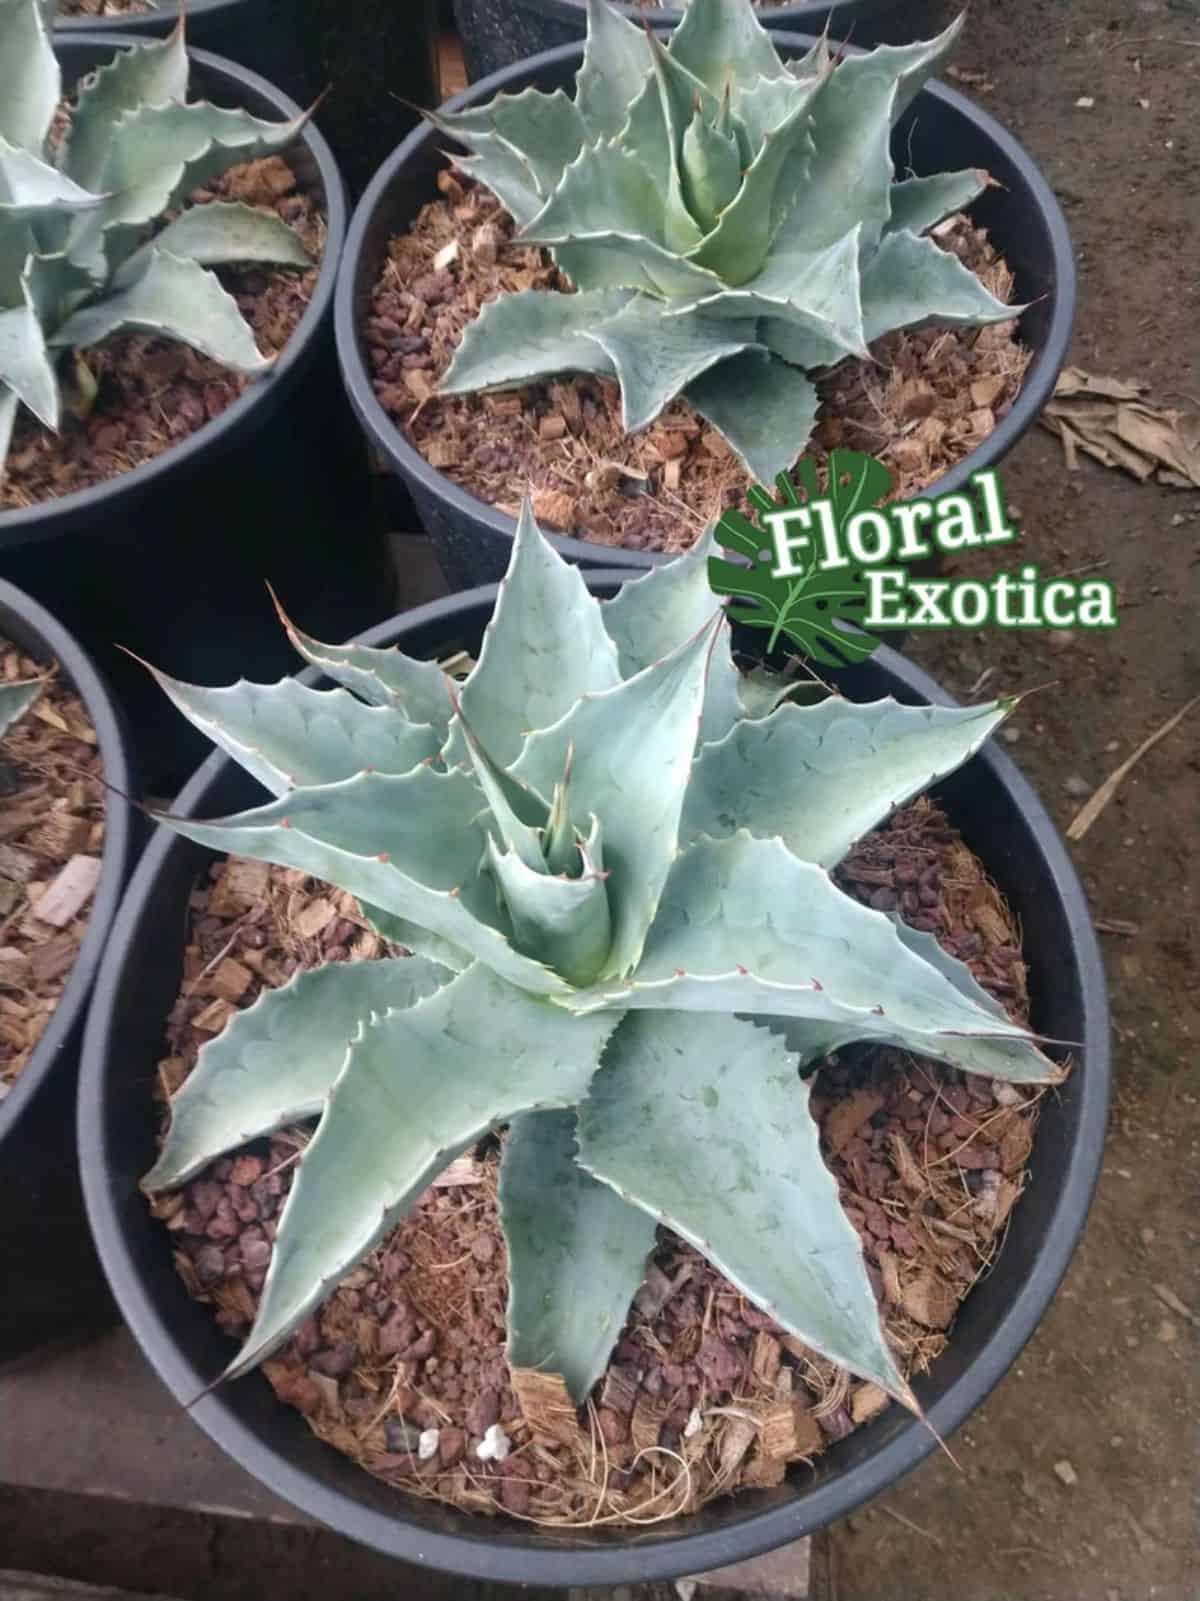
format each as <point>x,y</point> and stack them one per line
<point>1066,1472</point>
<point>693,1425</point>
<point>428,1443</point>
<point>1006,1094</point>
<point>494,1446</point>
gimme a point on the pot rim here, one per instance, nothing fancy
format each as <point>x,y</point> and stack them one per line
<point>513,1557</point>
<point>20,613</point>
<point>1040,377</point>
<point>46,519</point>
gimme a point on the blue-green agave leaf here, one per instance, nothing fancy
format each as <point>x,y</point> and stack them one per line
<point>744,926</point>
<point>576,1254</point>
<point>650,616</point>
<point>656,357</point>
<point>724,44</point>
<point>563,922</point>
<point>290,737</point>
<point>30,80</point>
<point>909,281</point>
<point>149,75</point>
<point>820,777</point>
<point>409,844</point>
<point>633,749</point>
<point>919,203</point>
<point>418,1087</point>
<point>275,1062</point>
<point>764,407</point>
<point>16,699</point>
<point>704,1123</point>
<point>418,690</point>
<point>531,334</point>
<point>545,646</point>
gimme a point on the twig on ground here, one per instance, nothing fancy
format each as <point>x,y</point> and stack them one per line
<point>1089,813</point>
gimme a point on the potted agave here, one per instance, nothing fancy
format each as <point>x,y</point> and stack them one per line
<point>163,424</point>
<point>655,270</point>
<point>647,1057</point>
<point>497,33</point>
<point>374,70</point>
<point>67,846</point>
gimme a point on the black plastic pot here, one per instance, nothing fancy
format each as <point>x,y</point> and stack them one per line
<point>1000,817</point>
<point>51,1286</point>
<point>171,559</point>
<point>246,31</point>
<point>376,71</point>
<point>942,129</point>
<point>499,33</point>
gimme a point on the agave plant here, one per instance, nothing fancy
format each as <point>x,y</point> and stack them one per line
<point>15,701</point>
<point>82,252</point>
<point>610,855</point>
<point>730,222</point>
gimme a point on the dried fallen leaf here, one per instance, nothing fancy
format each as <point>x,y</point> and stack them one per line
<point>1111,420</point>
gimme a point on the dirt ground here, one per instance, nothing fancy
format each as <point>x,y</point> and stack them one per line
<point>1109,1383</point>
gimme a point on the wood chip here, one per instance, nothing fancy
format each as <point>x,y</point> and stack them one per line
<point>555,508</point>
<point>867,1401</point>
<point>986,391</point>
<point>53,958</point>
<point>1016,1145</point>
<point>889,1269</point>
<point>213,1018</point>
<point>848,1116</point>
<point>907,1166</point>
<point>646,1423</point>
<point>61,835</point>
<point>738,1435</point>
<point>552,426</point>
<point>15,968</point>
<point>930,1301</point>
<point>230,980</point>
<point>806,1431</point>
<point>442,453</point>
<point>765,1357</point>
<point>17,864</point>
<point>619,1391</point>
<point>241,885</point>
<point>418,383</point>
<point>314,916</point>
<point>545,1404</point>
<point>69,892</point>
<point>463,1170</point>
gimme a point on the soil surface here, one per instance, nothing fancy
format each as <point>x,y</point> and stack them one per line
<point>154,392</point>
<point>51,840</point>
<point>926,400</point>
<point>704,1393</point>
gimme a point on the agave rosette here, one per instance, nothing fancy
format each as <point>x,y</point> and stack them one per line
<point>730,222</point>
<point>610,854</point>
<point>84,249</point>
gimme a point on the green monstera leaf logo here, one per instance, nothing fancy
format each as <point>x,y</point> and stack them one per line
<point>811,605</point>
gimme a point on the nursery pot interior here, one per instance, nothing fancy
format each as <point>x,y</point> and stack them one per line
<point>941,130</point>
<point>50,1282</point>
<point>171,559</point>
<point>1000,818</point>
